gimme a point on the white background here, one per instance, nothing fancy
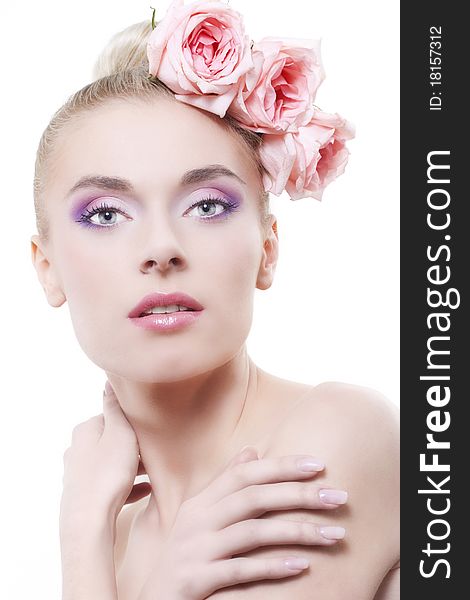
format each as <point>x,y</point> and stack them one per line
<point>332,313</point>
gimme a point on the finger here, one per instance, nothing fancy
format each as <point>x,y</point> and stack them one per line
<point>265,470</point>
<point>139,491</point>
<point>246,454</point>
<point>88,431</point>
<point>112,410</point>
<point>227,573</point>
<point>253,501</point>
<point>244,536</point>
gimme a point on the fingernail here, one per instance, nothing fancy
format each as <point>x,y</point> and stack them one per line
<point>295,563</point>
<point>107,387</point>
<point>333,496</point>
<point>333,533</point>
<point>311,464</point>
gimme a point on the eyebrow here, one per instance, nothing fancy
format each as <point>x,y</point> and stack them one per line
<point>105,182</point>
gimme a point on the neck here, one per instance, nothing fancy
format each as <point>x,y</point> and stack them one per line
<point>187,429</point>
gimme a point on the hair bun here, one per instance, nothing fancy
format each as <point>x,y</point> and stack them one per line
<point>125,50</point>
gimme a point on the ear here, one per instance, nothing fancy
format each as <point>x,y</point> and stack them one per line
<point>46,272</point>
<point>269,257</point>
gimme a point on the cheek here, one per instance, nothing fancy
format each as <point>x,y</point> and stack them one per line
<point>236,269</point>
<point>89,275</point>
<point>225,275</point>
<point>92,285</point>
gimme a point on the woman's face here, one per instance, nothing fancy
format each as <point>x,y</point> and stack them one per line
<point>149,239</point>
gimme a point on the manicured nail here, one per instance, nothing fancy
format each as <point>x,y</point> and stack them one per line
<point>311,464</point>
<point>333,496</point>
<point>107,387</point>
<point>333,533</point>
<point>295,563</point>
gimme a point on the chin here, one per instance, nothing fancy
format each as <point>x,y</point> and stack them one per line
<point>165,359</point>
<point>160,370</point>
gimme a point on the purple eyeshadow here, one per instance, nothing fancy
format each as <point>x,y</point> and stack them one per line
<point>85,208</point>
<point>80,207</point>
<point>230,206</point>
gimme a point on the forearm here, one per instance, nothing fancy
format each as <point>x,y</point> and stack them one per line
<point>87,553</point>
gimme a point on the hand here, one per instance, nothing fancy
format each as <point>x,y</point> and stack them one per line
<point>101,464</point>
<point>220,522</point>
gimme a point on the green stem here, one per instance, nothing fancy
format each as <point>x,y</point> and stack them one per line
<point>153,17</point>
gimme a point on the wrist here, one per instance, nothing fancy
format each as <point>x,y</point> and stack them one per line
<point>85,521</point>
<point>88,569</point>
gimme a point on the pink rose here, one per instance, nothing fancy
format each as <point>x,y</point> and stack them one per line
<point>278,94</point>
<point>305,162</point>
<point>200,51</point>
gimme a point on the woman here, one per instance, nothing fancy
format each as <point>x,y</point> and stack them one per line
<point>182,192</point>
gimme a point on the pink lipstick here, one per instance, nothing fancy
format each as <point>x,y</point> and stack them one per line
<point>180,311</point>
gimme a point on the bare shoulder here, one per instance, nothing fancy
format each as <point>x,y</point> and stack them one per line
<point>355,431</point>
<point>358,427</point>
<point>355,427</point>
<point>346,400</point>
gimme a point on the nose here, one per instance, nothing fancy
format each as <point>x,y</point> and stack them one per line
<point>161,264</point>
<point>166,252</point>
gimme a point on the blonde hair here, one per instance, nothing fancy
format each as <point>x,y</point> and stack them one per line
<point>121,72</point>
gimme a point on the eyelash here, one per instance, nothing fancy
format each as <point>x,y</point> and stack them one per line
<point>85,217</point>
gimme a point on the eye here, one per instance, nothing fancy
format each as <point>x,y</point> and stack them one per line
<point>207,208</point>
<point>104,213</point>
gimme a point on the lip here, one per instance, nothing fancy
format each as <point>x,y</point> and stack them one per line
<point>162,299</point>
<point>168,321</point>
